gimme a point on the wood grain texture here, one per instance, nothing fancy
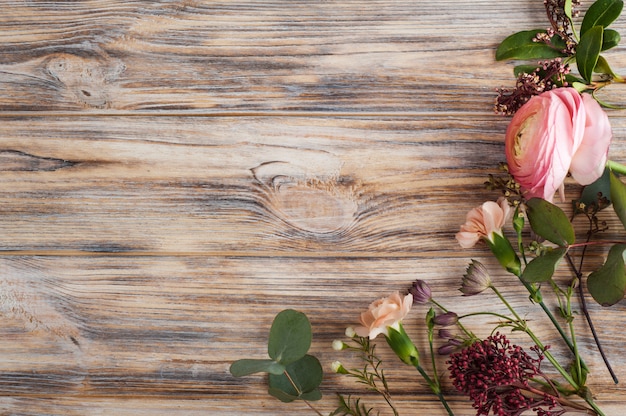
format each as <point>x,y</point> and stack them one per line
<point>258,56</point>
<point>174,173</point>
<point>168,327</point>
<point>244,184</point>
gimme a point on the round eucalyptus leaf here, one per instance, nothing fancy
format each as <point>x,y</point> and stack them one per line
<point>290,337</point>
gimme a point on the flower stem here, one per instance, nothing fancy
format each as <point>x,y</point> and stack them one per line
<point>616,167</point>
<point>467,332</point>
<point>585,311</point>
<point>434,386</point>
<point>537,342</point>
<point>556,324</point>
<point>299,392</point>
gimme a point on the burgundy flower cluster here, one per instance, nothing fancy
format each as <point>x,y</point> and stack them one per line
<point>496,375</point>
<point>546,76</point>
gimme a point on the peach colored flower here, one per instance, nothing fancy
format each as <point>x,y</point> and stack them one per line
<point>557,132</point>
<point>483,221</point>
<point>383,313</point>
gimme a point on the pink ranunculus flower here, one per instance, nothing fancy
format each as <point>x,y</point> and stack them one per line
<point>483,221</point>
<point>382,314</point>
<point>557,132</point>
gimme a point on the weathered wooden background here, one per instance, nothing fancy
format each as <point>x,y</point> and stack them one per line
<point>174,173</point>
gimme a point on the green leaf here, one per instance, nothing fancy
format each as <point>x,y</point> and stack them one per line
<point>610,39</point>
<point>306,375</point>
<point>588,51</point>
<point>246,367</point>
<point>567,8</point>
<point>607,285</point>
<point>290,337</point>
<point>540,269</point>
<point>596,191</point>
<point>550,222</point>
<point>601,188</point>
<point>618,197</point>
<point>520,45</point>
<point>527,69</point>
<point>601,13</point>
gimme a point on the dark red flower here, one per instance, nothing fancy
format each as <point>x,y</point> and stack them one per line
<point>496,375</point>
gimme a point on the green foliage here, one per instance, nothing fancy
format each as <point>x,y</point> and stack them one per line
<point>607,285</point>
<point>588,51</point>
<point>301,381</point>
<point>249,366</point>
<point>293,374</point>
<point>601,188</point>
<point>550,222</point>
<point>349,407</point>
<point>290,337</point>
<point>610,39</point>
<point>520,45</point>
<point>541,268</point>
<point>618,197</point>
<point>601,13</point>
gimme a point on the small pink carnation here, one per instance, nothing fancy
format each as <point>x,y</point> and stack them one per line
<point>483,221</point>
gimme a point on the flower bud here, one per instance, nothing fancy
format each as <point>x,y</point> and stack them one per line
<point>338,368</point>
<point>446,319</point>
<point>421,292</point>
<point>476,279</point>
<point>350,333</point>
<point>445,333</point>
<point>339,345</point>
<point>501,248</point>
<point>402,345</point>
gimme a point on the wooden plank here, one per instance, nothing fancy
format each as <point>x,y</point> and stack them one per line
<point>239,184</point>
<point>148,333</point>
<point>343,56</point>
<point>322,186</point>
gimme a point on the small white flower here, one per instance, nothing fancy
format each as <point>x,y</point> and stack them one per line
<point>339,345</point>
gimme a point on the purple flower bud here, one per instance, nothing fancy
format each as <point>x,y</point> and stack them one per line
<point>445,333</point>
<point>447,349</point>
<point>420,291</point>
<point>446,319</point>
<point>476,279</point>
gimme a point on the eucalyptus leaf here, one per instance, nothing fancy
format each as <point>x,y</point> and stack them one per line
<point>618,197</point>
<point>588,51</point>
<point>601,13</point>
<point>281,395</point>
<point>550,222</point>
<point>600,188</point>
<point>290,337</point>
<point>246,367</point>
<point>610,39</point>
<point>540,269</point>
<point>520,45</point>
<point>305,376</point>
<point>607,285</point>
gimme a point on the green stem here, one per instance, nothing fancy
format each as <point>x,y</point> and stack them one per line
<point>435,389</point>
<point>578,361</point>
<point>300,392</point>
<point>616,167</point>
<point>467,332</point>
<point>555,323</point>
<point>538,343</point>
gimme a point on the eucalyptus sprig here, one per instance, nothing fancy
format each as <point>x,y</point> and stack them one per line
<point>293,374</point>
